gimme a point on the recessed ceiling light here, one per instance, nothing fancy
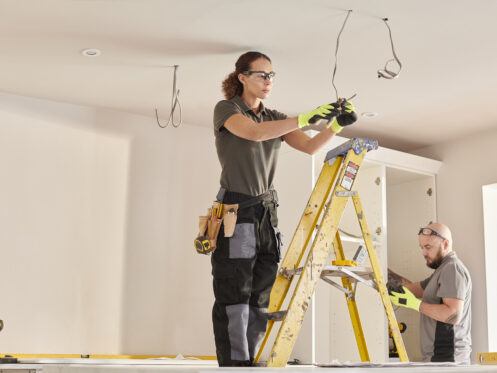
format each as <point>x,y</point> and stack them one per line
<point>369,114</point>
<point>91,52</point>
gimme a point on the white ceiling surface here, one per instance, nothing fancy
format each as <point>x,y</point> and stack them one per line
<point>446,90</point>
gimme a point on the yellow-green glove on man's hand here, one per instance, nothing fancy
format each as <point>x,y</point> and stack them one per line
<point>326,112</point>
<point>405,299</point>
<point>346,116</point>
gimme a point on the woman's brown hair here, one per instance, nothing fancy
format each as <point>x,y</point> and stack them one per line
<point>231,85</point>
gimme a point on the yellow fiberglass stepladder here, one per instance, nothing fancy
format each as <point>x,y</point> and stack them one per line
<point>331,193</point>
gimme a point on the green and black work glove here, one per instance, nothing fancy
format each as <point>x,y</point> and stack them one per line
<point>345,116</point>
<point>404,298</point>
<point>323,112</point>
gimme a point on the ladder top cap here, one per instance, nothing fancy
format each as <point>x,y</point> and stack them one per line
<point>356,144</point>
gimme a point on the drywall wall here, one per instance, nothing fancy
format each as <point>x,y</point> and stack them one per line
<point>62,217</point>
<point>99,212</point>
<point>173,176</point>
<point>468,164</point>
<point>490,222</point>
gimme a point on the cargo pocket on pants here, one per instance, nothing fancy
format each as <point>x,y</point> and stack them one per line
<point>225,284</point>
<point>242,243</point>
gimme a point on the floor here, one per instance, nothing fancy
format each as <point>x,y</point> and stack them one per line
<point>199,366</point>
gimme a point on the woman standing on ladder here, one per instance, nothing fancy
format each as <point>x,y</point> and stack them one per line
<point>248,140</point>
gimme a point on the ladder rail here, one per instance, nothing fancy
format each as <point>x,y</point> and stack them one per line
<point>327,202</point>
<point>316,260</point>
<point>300,241</point>
<point>351,304</point>
<point>380,283</point>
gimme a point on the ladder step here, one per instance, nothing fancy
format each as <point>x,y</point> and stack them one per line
<point>364,275</point>
<point>344,263</point>
<point>341,271</point>
<point>331,271</point>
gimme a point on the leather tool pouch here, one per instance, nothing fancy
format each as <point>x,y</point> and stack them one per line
<point>209,226</point>
<point>229,219</point>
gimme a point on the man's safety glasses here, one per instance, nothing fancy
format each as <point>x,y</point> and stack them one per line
<point>430,232</point>
<point>261,75</point>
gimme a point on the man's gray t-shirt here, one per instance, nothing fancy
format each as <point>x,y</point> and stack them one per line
<point>248,167</point>
<point>441,341</point>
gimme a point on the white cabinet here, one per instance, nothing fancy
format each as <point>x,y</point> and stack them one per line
<point>411,204</point>
<point>398,194</point>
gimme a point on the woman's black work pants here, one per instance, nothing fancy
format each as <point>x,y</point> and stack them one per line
<point>244,269</point>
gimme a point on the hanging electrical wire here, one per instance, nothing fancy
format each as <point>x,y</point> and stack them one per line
<point>174,105</point>
<point>336,53</point>
<point>382,73</point>
<point>386,73</point>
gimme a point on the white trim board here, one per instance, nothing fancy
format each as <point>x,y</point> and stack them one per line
<point>390,158</point>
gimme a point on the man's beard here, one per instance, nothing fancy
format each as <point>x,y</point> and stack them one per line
<point>435,263</point>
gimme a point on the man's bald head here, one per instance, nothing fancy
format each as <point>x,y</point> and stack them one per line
<point>435,241</point>
<point>443,231</point>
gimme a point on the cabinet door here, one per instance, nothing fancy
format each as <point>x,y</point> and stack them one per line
<point>410,204</point>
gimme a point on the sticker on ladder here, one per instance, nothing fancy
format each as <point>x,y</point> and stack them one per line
<point>349,176</point>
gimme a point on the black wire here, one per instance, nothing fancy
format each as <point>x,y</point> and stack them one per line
<point>336,53</point>
<point>385,73</point>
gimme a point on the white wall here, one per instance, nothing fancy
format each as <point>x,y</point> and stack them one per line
<point>63,189</point>
<point>98,218</point>
<point>468,164</point>
<point>490,222</point>
<point>167,296</point>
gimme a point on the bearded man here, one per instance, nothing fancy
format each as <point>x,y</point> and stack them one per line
<point>443,299</point>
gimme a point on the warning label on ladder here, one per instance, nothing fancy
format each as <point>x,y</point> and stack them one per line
<point>350,174</point>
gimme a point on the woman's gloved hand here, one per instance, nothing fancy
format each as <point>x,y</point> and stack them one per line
<point>326,112</point>
<point>345,117</point>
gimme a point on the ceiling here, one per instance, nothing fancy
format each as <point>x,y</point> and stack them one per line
<point>448,48</point>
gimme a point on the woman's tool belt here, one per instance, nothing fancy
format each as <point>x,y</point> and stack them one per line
<point>210,224</point>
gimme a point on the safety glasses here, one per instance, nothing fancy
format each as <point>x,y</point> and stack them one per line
<point>430,232</point>
<point>261,75</point>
